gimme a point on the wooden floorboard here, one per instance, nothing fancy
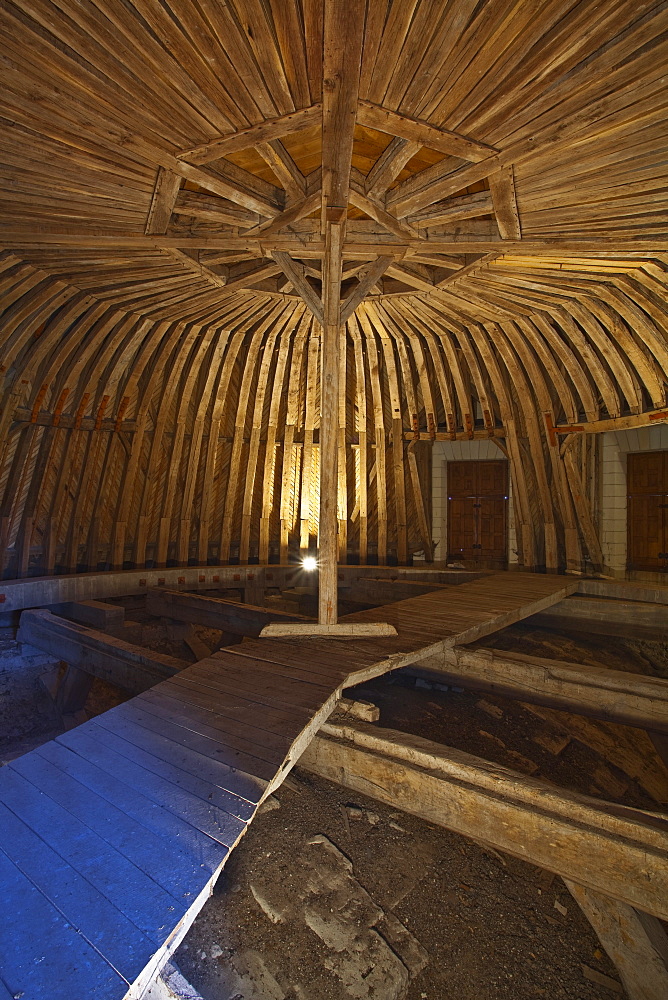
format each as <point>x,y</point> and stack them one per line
<point>114,833</point>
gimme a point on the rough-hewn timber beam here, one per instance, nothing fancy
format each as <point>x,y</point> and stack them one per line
<point>621,853</point>
<point>228,616</point>
<point>294,272</point>
<point>450,143</point>
<point>313,244</point>
<point>342,62</point>
<point>96,614</point>
<point>611,695</point>
<point>635,941</point>
<point>132,668</point>
<point>265,131</point>
<point>609,617</point>
<point>366,282</point>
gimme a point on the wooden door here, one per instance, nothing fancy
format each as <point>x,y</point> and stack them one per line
<point>647,511</point>
<point>477,513</point>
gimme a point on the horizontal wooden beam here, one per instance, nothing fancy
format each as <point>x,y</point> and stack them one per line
<point>611,695</point>
<point>608,617</point>
<point>38,592</point>
<point>228,616</point>
<point>479,434</point>
<point>356,244</point>
<point>647,419</point>
<point>23,415</point>
<point>132,668</point>
<point>96,614</point>
<point>623,853</point>
<point>625,591</point>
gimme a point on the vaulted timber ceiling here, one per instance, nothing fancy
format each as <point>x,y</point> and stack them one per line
<point>169,170</point>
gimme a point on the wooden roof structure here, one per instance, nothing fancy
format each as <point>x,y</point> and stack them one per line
<point>454,209</point>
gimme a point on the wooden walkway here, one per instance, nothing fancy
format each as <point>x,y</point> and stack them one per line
<point>112,836</point>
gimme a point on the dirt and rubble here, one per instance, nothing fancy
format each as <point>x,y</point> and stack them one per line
<point>332,896</point>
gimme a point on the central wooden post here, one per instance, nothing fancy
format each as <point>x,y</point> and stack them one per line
<point>328,543</point>
<point>342,61</point>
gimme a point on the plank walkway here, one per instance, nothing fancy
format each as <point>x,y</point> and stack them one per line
<point>112,836</point>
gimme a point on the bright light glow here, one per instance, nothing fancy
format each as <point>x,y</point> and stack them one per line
<point>310,562</point>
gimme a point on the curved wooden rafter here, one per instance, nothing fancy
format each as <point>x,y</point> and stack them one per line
<point>169,268</point>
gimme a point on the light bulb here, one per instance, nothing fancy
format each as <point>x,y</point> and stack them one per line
<point>310,562</point>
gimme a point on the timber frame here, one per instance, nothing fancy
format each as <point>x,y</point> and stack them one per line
<point>256,259</point>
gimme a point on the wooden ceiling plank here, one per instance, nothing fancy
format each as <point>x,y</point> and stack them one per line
<point>287,23</point>
<point>212,96</point>
<point>202,206</point>
<point>259,31</point>
<point>424,30</point>
<point>503,38</point>
<point>467,206</point>
<point>427,135</point>
<point>570,41</point>
<point>225,54</point>
<point>395,30</point>
<point>219,19</point>
<point>176,105</point>
<point>436,183</point>
<point>585,80</point>
<point>313,27</point>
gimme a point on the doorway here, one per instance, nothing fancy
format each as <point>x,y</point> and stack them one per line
<point>647,505</point>
<point>478,513</point>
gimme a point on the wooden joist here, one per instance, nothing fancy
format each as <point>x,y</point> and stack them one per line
<point>632,618</point>
<point>214,612</point>
<point>611,695</point>
<point>590,842</point>
<point>132,668</point>
<point>97,614</point>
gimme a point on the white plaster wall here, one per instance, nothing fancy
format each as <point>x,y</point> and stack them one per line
<point>612,503</point>
<point>462,451</point>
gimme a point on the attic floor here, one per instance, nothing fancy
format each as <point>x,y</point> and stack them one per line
<point>483,924</point>
<point>476,923</point>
